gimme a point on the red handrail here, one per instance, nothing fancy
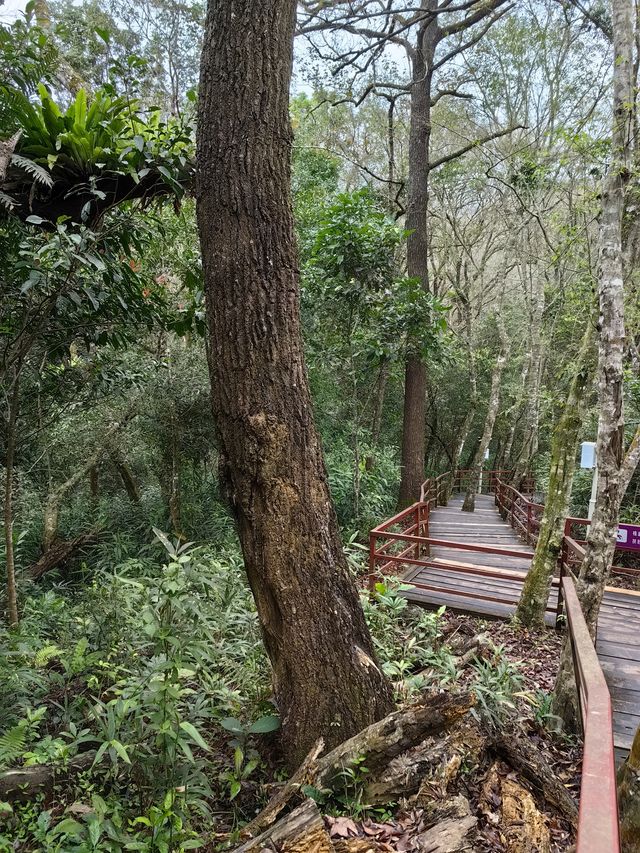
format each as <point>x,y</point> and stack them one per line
<point>598,818</point>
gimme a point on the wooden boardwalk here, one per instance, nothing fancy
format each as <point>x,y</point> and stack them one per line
<point>460,584</point>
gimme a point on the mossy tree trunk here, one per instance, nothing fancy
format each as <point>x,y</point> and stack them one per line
<point>535,592</point>
<point>326,679</point>
<point>601,538</point>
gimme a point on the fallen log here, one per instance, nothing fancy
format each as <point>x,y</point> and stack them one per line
<point>398,732</point>
<point>301,831</point>
<point>522,755</point>
<point>61,551</point>
<point>25,782</point>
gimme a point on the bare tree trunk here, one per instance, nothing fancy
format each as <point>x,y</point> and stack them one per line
<point>492,413</point>
<point>473,383</point>
<point>326,679</point>
<point>533,384</point>
<point>10,453</point>
<point>535,591</point>
<point>415,383</point>
<point>601,539</point>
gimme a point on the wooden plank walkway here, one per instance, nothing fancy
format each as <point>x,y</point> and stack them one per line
<point>457,576</point>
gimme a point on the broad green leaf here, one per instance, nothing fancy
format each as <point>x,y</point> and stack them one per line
<point>194,734</point>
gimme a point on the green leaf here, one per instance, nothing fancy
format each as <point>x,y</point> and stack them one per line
<point>68,826</point>
<point>101,751</point>
<point>104,34</point>
<point>121,750</point>
<point>231,724</point>
<point>265,724</point>
<point>234,789</point>
<point>35,220</point>
<point>194,734</point>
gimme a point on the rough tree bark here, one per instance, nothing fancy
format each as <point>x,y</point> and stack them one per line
<point>601,538</point>
<point>629,799</point>
<point>326,679</point>
<point>492,413</point>
<point>535,591</point>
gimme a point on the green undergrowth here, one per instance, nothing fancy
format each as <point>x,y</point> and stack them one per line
<point>154,668</point>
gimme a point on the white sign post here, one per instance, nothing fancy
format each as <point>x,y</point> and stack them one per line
<point>588,460</point>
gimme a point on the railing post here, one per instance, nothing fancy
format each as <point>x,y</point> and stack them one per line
<point>372,562</point>
<point>528,522</point>
<point>560,601</point>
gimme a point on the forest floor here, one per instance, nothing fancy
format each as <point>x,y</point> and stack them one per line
<point>480,802</point>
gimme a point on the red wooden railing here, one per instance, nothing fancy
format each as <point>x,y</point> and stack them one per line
<point>405,540</point>
<point>525,516</point>
<point>598,819</point>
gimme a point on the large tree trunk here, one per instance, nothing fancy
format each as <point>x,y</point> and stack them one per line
<point>492,413</point>
<point>415,383</point>
<point>601,538</point>
<point>535,592</point>
<point>326,679</point>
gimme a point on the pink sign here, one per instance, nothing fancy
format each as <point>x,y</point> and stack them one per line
<point>629,537</point>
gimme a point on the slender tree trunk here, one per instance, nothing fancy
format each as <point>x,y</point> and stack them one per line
<point>128,480</point>
<point>55,498</point>
<point>473,383</point>
<point>94,486</point>
<point>378,408</point>
<point>492,413</point>
<point>326,679</point>
<point>629,799</point>
<point>533,384</point>
<point>415,382</point>
<point>535,592</point>
<point>10,454</point>
<point>601,538</point>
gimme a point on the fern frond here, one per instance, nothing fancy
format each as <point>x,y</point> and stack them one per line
<point>44,655</point>
<point>38,173</point>
<point>7,201</point>
<point>12,744</point>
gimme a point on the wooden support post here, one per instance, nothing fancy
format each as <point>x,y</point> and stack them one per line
<point>372,562</point>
